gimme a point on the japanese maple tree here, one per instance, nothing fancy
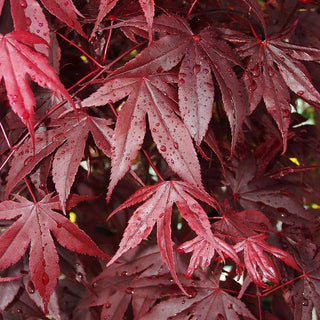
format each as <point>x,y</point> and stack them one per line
<point>160,159</point>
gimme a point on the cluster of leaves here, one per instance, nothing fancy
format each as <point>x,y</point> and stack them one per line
<point>199,117</point>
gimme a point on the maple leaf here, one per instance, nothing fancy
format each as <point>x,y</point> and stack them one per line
<point>69,138</point>
<point>273,66</point>
<point>199,54</point>
<point>204,249</point>
<point>243,224</point>
<point>140,278</point>
<point>158,210</point>
<point>16,61</point>
<point>153,96</point>
<point>260,268</point>
<point>27,15</point>
<point>207,299</point>
<point>106,6</point>
<point>257,192</point>
<point>33,226</point>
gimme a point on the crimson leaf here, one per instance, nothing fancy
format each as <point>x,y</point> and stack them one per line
<point>158,210</point>
<point>17,60</point>
<point>41,218</point>
<point>147,95</point>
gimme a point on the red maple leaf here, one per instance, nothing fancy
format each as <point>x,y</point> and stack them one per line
<point>33,226</point>
<point>139,278</point>
<point>149,95</point>
<point>207,300</point>
<point>201,55</point>
<point>158,210</point>
<point>259,266</point>
<point>27,15</point>
<point>107,5</point>
<point>273,66</point>
<point>68,140</point>
<point>17,60</point>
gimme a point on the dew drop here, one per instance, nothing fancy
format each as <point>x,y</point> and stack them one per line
<point>286,113</point>
<point>158,124</point>
<point>271,72</point>
<point>300,93</point>
<point>129,290</point>
<point>25,115</point>
<point>28,21</point>
<point>196,68</point>
<point>57,137</point>
<point>206,71</point>
<point>59,225</point>
<point>30,287</point>
<point>192,292</point>
<point>176,146</point>
<point>181,81</point>
<point>256,71</point>
<point>124,273</point>
<point>23,4</point>
<point>305,302</point>
<point>27,161</point>
<point>40,24</point>
<point>107,305</point>
<point>45,279</point>
<point>163,148</point>
<point>252,86</point>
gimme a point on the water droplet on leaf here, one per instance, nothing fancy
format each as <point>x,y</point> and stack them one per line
<point>129,291</point>
<point>30,287</point>
<point>23,4</point>
<point>256,71</point>
<point>45,279</point>
<point>163,148</point>
<point>252,86</point>
<point>28,160</point>
<point>25,115</point>
<point>181,81</point>
<point>196,68</point>
<point>271,72</point>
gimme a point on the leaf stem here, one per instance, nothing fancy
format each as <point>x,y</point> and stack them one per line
<point>107,44</point>
<point>85,53</point>
<point>191,8</point>
<point>5,136</point>
<point>152,164</point>
<point>30,191</point>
